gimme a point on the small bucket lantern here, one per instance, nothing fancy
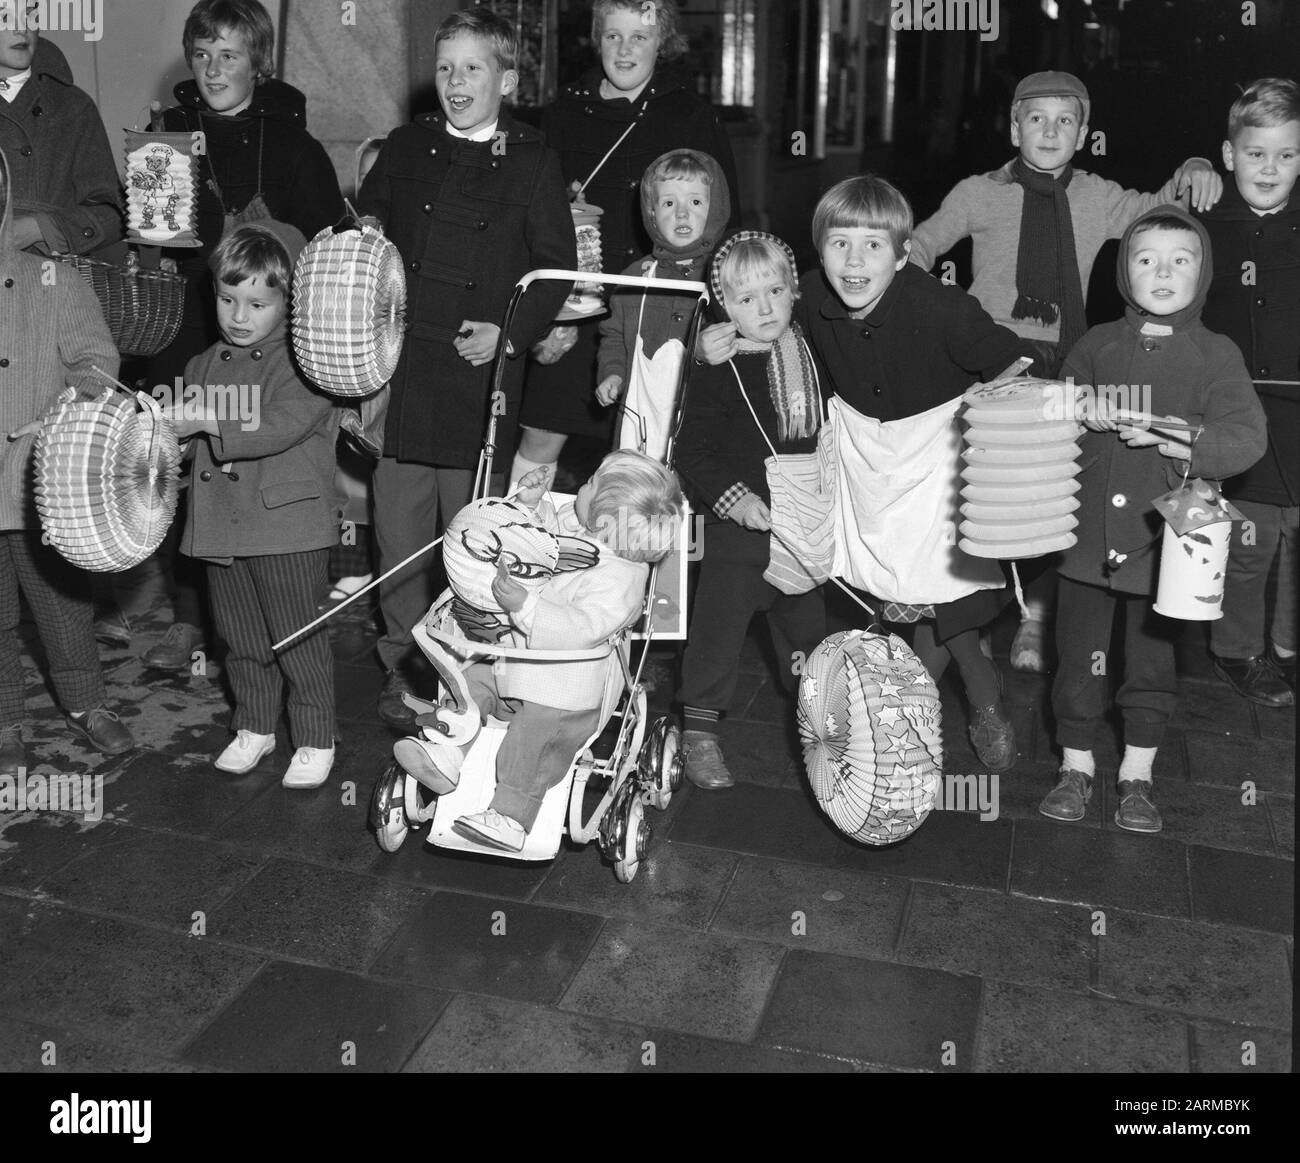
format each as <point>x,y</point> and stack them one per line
<point>1194,551</point>
<point>161,192</point>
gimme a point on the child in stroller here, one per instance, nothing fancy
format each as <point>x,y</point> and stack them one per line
<point>630,512</point>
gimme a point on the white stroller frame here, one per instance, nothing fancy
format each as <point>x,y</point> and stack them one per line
<point>644,767</point>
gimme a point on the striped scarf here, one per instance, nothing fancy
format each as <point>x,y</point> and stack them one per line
<point>791,383</point>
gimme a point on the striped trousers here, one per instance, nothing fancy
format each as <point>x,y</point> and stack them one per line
<point>256,601</point>
<point>58,594</point>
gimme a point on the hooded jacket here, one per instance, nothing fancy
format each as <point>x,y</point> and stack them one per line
<point>61,166</point>
<point>1171,365</point>
<point>52,334</point>
<point>1261,315</point>
<point>665,315</point>
<point>265,483</point>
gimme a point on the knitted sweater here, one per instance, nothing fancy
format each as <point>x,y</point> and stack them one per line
<point>986,208</point>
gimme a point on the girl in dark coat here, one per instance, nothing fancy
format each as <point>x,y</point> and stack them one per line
<point>630,105</point>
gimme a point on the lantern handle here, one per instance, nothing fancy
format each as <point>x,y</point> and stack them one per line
<point>351,220</point>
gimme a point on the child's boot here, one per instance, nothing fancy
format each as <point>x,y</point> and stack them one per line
<point>436,765</point>
<point>705,767</point>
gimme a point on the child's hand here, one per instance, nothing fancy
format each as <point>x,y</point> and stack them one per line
<point>1095,410</point>
<point>717,343</point>
<point>187,424</point>
<point>509,593</point>
<point>1202,179</point>
<point>609,390</point>
<point>1174,443</point>
<point>532,485</point>
<point>480,345</point>
<point>554,344</point>
<point>751,513</point>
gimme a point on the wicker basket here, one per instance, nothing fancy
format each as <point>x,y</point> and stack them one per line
<point>142,308</point>
<point>869,717</point>
<point>106,479</point>
<point>349,306</point>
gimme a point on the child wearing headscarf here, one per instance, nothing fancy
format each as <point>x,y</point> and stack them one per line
<point>1197,384</point>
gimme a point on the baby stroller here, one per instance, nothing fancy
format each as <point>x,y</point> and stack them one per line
<point>644,765</point>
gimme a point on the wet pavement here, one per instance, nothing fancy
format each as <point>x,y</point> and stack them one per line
<point>219,923</point>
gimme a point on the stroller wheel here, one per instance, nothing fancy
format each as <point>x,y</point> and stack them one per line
<point>636,840</point>
<point>661,763</point>
<point>388,808</point>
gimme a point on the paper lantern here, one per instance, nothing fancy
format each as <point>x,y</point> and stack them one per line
<point>1021,458</point>
<point>869,718</point>
<point>106,479</point>
<point>586,299</point>
<point>349,310</point>
<point>1194,551</point>
<point>161,195</point>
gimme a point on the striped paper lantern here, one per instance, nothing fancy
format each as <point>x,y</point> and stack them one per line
<point>586,299</point>
<point>1021,458</point>
<point>349,308</point>
<point>106,479</point>
<point>869,718</point>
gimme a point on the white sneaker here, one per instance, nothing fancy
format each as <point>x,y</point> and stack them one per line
<point>492,828</point>
<point>245,752</point>
<point>436,765</point>
<point>309,767</point>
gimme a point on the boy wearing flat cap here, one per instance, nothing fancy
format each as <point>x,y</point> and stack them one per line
<point>1036,225</point>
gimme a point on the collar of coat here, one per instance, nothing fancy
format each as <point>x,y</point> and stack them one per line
<point>587,87</point>
<point>273,100</point>
<point>49,61</point>
<point>515,131</point>
<point>1232,207</point>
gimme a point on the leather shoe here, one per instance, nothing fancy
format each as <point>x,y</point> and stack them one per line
<point>1284,666</point>
<point>1136,812</point>
<point>1256,679</point>
<point>705,767</point>
<point>174,651</point>
<point>391,708</point>
<point>113,629</point>
<point>1068,800</point>
<point>13,755</point>
<point>104,730</point>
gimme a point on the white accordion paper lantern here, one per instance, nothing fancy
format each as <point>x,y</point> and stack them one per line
<point>491,530</point>
<point>106,479</point>
<point>349,310</point>
<point>1021,461</point>
<point>869,719</point>
<point>161,202</point>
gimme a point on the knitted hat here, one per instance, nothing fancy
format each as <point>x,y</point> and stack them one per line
<point>715,268</point>
<point>1054,84</point>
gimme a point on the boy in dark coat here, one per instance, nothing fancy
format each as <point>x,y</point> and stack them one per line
<point>1255,301</point>
<point>473,200</point>
<point>64,188</point>
<point>262,511</point>
<point>1191,377</point>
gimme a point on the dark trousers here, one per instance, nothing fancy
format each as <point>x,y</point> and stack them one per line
<point>1255,543</point>
<point>729,594</point>
<point>58,595</point>
<point>1149,693</point>
<point>408,500</point>
<point>256,601</point>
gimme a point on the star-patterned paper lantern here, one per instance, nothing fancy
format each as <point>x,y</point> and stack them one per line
<point>869,719</point>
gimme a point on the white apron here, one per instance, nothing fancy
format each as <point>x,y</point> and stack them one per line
<point>646,420</point>
<point>897,488</point>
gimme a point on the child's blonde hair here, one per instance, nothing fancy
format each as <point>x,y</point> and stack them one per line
<point>1268,102</point>
<point>865,202</point>
<point>636,507</point>
<point>210,19</point>
<point>250,251</point>
<point>662,15</point>
<point>483,22</point>
<point>757,257</point>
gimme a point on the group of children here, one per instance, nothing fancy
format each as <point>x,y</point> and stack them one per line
<point>869,338</point>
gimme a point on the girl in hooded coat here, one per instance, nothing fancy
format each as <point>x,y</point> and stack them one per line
<point>1190,376</point>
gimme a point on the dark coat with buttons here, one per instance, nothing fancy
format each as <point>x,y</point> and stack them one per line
<point>1189,372</point>
<point>266,484</point>
<point>265,149</point>
<point>923,343</point>
<point>469,219</point>
<point>60,161</point>
<point>1262,317</point>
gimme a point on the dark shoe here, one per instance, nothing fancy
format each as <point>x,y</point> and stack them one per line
<point>1068,800</point>
<point>13,755</point>
<point>1285,667</point>
<point>1256,679</point>
<point>704,764</point>
<point>113,629</point>
<point>104,730</point>
<point>175,650</point>
<point>1136,812</point>
<point>392,709</point>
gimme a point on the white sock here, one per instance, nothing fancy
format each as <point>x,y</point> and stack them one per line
<point>1282,653</point>
<point>1078,761</point>
<point>1137,762</point>
<point>523,466</point>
